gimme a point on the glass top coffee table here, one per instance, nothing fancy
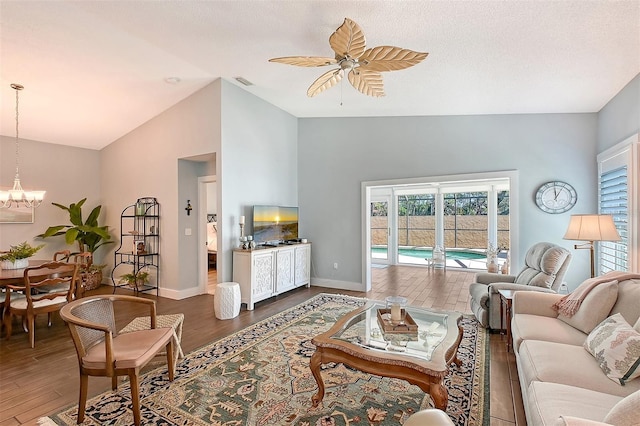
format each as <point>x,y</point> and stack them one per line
<point>419,350</point>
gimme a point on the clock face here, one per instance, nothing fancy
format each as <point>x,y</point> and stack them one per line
<point>556,197</point>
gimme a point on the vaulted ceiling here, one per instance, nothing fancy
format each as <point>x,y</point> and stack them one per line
<point>95,70</point>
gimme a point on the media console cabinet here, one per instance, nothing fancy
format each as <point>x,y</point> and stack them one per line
<point>264,272</point>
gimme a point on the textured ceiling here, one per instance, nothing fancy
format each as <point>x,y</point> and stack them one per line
<point>94,70</point>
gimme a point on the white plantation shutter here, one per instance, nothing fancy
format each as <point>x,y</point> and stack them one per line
<point>619,196</point>
<point>614,200</point>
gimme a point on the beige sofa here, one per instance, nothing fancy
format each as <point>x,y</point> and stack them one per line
<point>562,383</point>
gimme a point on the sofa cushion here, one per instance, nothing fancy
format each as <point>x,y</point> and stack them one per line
<point>616,348</point>
<point>594,308</point>
<point>548,401</point>
<point>542,263</point>
<point>537,327</point>
<point>627,303</point>
<point>625,412</point>
<point>568,365</point>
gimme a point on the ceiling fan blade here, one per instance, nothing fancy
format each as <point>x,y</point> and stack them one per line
<point>348,40</point>
<point>325,81</point>
<point>305,61</point>
<point>390,58</point>
<point>367,81</point>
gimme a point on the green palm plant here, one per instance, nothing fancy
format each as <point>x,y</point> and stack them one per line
<point>88,234</point>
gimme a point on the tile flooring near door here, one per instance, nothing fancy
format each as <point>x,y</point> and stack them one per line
<point>37,382</point>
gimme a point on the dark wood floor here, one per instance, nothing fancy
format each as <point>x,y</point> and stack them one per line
<point>37,382</point>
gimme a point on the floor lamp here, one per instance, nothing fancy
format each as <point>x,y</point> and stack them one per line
<point>591,228</point>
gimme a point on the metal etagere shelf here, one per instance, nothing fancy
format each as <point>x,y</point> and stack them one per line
<point>139,246</point>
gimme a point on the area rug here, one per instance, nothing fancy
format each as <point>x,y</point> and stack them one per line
<point>261,376</point>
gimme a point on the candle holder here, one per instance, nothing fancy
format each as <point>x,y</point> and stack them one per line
<point>396,306</point>
<point>241,230</point>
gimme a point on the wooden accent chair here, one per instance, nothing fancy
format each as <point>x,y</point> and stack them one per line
<point>103,352</point>
<point>37,302</point>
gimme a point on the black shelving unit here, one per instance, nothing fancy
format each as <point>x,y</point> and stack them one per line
<point>139,244</point>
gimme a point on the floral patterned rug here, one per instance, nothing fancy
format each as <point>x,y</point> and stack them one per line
<point>261,376</point>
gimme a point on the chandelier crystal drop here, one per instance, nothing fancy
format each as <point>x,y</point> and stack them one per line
<point>16,196</point>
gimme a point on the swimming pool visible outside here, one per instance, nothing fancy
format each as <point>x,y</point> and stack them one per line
<point>461,258</point>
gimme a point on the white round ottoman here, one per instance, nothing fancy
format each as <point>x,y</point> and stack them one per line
<point>429,417</point>
<point>226,300</point>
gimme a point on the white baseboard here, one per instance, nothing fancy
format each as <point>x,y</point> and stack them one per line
<point>180,294</point>
<point>341,285</point>
<point>176,294</point>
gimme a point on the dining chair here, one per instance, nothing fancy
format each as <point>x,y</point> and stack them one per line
<point>62,255</point>
<point>63,275</point>
<point>84,261</point>
<point>102,351</point>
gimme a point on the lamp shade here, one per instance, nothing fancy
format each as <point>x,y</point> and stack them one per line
<point>592,227</point>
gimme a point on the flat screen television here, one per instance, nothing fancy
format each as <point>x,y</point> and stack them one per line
<point>274,223</point>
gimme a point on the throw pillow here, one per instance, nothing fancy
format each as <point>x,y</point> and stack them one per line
<point>625,412</point>
<point>594,308</point>
<point>616,348</point>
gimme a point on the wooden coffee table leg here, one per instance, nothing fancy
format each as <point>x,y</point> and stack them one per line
<point>433,386</point>
<point>314,365</point>
<point>439,395</point>
<point>457,360</point>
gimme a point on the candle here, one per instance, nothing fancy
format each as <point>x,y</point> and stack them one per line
<point>396,312</point>
<point>241,220</point>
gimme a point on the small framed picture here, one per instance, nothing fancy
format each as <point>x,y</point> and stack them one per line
<point>139,247</point>
<point>17,215</point>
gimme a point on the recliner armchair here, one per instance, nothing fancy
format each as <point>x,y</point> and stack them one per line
<point>545,267</point>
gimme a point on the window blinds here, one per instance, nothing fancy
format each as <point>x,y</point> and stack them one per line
<point>614,201</point>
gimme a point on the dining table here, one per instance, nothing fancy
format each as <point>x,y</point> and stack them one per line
<point>16,276</point>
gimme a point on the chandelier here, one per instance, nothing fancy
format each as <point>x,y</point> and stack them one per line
<point>16,196</point>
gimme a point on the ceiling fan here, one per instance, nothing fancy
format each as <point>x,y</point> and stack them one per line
<point>364,66</point>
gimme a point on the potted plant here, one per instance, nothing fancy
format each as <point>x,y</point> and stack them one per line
<point>88,234</point>
<point>17,256</point>
<point>92,276</point>
<point>135,279</point>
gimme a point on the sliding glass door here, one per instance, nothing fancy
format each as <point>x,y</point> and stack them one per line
<point>380,229</point>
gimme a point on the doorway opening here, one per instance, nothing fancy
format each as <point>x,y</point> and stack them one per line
<point>464,215</point>
<point>208,233</point>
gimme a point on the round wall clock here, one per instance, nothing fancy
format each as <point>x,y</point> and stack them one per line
<point>556,197</point>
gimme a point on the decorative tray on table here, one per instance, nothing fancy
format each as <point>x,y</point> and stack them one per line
<point>406,327</point>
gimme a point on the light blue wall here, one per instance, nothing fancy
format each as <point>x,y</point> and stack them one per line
<point>620,118</point>
<point>337,154</point>
<point>145,163</point>
<point>258,162</point>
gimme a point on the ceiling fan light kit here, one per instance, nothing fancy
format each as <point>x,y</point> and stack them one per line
<point>364,66</point>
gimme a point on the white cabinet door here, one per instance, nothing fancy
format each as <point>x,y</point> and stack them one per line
<point>284,270</point>
<point>302,265</point>
<point>262,272</point>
